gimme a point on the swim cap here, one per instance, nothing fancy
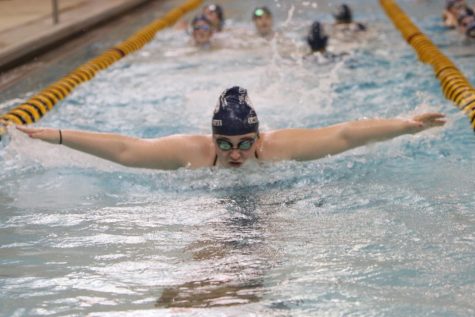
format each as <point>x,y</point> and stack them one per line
<point>343,14</point>
<point>199,18</point>
<point>234,114</point>
<point>261,11</point>
<point>316,38</point>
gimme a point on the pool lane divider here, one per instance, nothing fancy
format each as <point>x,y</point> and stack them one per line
<point>455,86</point>
<point>37,106</point>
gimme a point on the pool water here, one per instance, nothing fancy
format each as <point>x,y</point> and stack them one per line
<point>382,230</point>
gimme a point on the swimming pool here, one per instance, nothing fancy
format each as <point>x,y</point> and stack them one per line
<point>385,230</point>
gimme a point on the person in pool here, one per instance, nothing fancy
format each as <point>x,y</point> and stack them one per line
<point>202,31</point>
<point>215,14</point>
<point>235,139</point>
<point>263,21</point>
<point>453,10</point>
<point>317,40</point>
<point>344,20</point>
<point>466,24</point>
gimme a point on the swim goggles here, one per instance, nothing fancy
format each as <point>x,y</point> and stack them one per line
<point>201,27</point>
<point>244,145</point>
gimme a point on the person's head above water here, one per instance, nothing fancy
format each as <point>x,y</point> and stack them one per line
<point>235,128</point>
<point>234,113</point>
<point>343,14</point>
<point>215,14</point>
<point>316,39</point>
<point>262,18</point>
<point>201,30</point>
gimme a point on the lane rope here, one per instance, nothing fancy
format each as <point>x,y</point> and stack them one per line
<point>454,85</point>
<point>37,106</point>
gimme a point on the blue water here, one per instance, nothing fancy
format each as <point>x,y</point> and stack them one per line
<point>383,230</point>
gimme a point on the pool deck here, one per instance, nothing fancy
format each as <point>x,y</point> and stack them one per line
<point>27,27</point>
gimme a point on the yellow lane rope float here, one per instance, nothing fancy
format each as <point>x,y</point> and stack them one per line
<point>37,106</point>
<point>455,86</point>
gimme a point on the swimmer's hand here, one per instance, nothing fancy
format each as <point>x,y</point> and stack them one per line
<point>44,134</point>
<point>425,121</point>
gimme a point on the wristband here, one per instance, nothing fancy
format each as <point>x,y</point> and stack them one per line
<point>60,137</point>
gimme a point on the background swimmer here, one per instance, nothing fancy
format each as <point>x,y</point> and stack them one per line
<point>235,140</point>
<point>215,14</point>
<point>202,31</point>
<point>344,20</point>
<point>263,21</point>
<point>317,40</point>
<point>453,10</point>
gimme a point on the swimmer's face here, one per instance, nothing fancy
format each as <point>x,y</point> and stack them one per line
<point>234,151</point>
<point>263,24</point>
<point>213,17</point>
<point>202,33</point>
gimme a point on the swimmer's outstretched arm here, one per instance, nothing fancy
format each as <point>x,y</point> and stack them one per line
<point>170,152</point>
<point>311,144</point>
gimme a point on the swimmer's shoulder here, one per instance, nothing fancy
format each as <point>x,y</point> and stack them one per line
<point>192,150</point>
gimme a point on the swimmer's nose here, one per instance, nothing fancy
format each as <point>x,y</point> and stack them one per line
<point>235,154</point>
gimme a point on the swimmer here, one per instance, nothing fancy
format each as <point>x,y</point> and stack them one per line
<point>215,14</point>
<point>466,24</point>
<point>453,10</point>
<point>202,31</point>
<point>262,18</point>
<point>317,40</point>
<point>344,20</point>
<point>235,139</point>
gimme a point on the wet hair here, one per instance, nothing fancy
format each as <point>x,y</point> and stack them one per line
<point>219,11</point>
<point>234,114</point>
<point>343,14</point>
<point>261,11</point>
<point>316,38</point>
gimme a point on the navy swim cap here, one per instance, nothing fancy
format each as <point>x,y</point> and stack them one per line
<point>343,14</point>
<point>234,114</point>
<point>316,38</point>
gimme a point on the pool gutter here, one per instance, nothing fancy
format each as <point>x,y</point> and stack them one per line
<point>24,42</point>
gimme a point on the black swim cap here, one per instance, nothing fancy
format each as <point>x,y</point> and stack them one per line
<point>316,38</point>
<point>234,114</point>
<point>343,14</point>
